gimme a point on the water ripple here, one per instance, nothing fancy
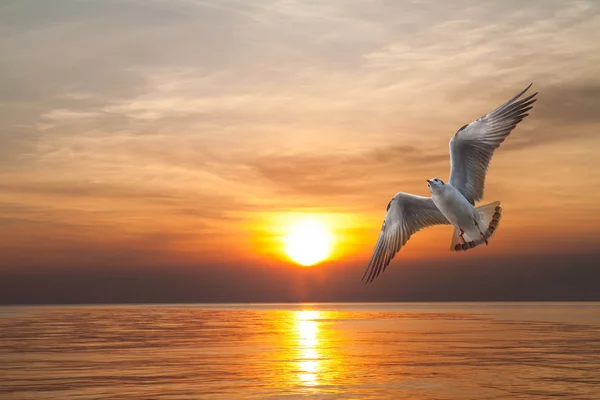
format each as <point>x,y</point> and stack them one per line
<point>386,351</point>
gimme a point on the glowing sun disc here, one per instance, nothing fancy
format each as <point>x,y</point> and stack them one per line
<point>308,242</point>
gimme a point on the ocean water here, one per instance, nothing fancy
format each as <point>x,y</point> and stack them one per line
<point>302,351</point>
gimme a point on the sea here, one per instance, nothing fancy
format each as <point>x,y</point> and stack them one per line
<point>437,351</point>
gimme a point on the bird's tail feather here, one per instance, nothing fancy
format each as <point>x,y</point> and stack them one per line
<point>489,219</point>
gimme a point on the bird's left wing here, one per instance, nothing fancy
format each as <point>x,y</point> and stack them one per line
<point>472,147</point>
<point>406,214</point>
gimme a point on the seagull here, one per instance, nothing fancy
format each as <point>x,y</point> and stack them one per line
<point>453,202</point>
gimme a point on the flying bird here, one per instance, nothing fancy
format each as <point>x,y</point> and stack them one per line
<point>453,202</point>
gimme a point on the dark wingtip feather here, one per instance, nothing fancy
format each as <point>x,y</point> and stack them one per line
<point>522,92</point>
<point>507,106</point>
<point>368,272</point>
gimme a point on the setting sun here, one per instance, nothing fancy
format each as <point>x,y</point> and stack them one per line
<point>308,241</point>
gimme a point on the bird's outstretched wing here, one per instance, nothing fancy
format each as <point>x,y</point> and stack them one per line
<point>472,147</point>
<point>406,214</point>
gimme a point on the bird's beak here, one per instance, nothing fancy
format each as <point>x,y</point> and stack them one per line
<point>428,181</point>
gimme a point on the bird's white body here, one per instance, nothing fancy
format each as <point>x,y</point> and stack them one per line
<point>456,208</point>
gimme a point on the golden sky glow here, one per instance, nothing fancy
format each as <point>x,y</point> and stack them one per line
<point>200,132</point>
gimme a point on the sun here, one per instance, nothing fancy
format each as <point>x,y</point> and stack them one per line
<point>308,241</point>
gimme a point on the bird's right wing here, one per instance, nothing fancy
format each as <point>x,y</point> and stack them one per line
<point>406,214</point>
<point>472,147</point>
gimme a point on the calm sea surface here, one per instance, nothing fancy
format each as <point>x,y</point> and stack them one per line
<point>314,351</point>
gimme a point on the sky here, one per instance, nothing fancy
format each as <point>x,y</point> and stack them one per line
<point>154,150</point>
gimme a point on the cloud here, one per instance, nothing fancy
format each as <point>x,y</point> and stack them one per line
<point>571,105</point>
<point>82,189</point>
<point>190,119</point>
<point>363,174</point>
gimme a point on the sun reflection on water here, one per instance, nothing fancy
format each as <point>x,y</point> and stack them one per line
<point>307,328</point>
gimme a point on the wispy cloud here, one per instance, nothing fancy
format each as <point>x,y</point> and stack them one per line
<point>119,114</point>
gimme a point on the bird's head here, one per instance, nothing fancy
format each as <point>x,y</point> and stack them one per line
<point>435,184</point>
